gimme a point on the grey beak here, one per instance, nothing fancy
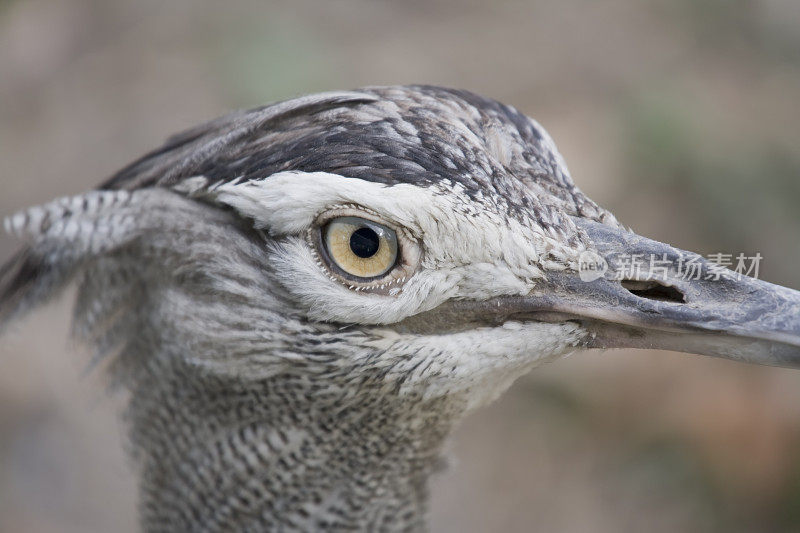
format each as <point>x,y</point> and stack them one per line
<point>640,293</point>
<point>655,296</point>
<point>679,301</point>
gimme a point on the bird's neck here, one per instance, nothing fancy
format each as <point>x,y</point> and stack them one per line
<point>227,454</point>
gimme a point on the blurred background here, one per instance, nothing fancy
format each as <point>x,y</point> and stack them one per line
<point>681,116</point>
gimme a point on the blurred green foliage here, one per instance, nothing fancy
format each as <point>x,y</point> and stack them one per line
<point>750,26</point>
<point>717,22</point>
<point>740,195</point>
<point>268,60</point>
<point>666,467</point>
<point>788,513</point>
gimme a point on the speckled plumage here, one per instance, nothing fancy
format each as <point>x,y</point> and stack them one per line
<point>265,394</point>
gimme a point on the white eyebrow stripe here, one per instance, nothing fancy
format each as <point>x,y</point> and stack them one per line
<point>288,202</point>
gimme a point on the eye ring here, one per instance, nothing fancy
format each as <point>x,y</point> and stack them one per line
<point>397,267</point>
<point>363,249</point>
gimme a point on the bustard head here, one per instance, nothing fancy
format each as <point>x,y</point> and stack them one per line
<point>304,297</point>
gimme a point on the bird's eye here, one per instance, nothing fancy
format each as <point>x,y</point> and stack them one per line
<point>361,248</point>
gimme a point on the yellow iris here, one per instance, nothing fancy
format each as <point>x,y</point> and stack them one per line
<point>360,247</point>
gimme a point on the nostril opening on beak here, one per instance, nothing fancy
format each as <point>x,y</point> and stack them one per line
<point>653,290</point>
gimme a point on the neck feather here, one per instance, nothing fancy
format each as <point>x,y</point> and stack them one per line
<point>225,454</point>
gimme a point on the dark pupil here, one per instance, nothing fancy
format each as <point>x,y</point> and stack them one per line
<point>365,242</point>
